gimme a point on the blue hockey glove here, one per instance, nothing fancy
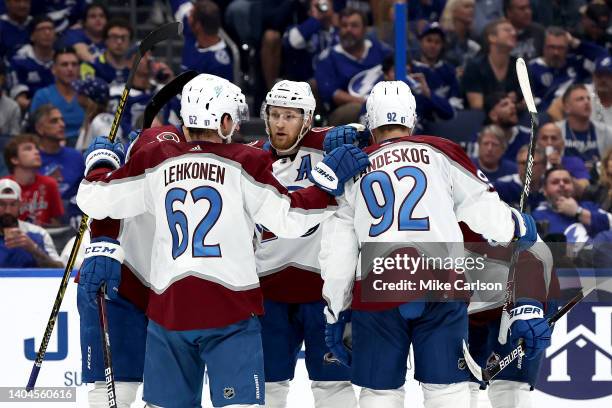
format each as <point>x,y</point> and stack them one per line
<point>131,140</point>
<point>102,264</point>
<point>337,336</point>
<point>338,167</point>
<point>527,322</point>
<point>347,134</point>
<point>525,231</point>
<point>101,152</point>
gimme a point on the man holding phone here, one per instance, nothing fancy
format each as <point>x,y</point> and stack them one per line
<point>22,244</point>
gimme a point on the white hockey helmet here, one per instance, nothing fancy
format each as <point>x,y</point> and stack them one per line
<point>290,94</point>
<point>206,98</point>
<point>391,103</point>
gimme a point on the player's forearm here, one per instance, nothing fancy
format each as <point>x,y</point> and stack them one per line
<point>342,97</point>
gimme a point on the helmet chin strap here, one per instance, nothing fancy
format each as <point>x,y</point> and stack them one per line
<point>305,128</point>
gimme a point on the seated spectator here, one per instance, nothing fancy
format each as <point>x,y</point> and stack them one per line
<point>456,21</point>
<point>93,96</point>
<point>500,110</point>
<point>583,138</point>
<point>10,115</point>
<point>494,71</point>
<point>340,64</point>
<point>61,94</point>
<point>113,65</point>
<point>31,65</point>
<point>204,50</point>
<point>579,221</point>
<point>425,11</point>
<point>594,25</point>
<point>550,139</point>
<point>552,73</point>
<point>601,193</point>
<point>65,161</point>
<point>492,144</point>
<point>601,95</point>
<point>303,43</point>
<point>64,13</point>
<point>41,203</point>
<point>141,93</point>
<point>530,35</point>
<point>437,79</point>
<point>485,11</point>
<point>22,244</point>
<point>510,187</point>
<point>14,27</point>
<point>560,13</point>
<point>88,40</point>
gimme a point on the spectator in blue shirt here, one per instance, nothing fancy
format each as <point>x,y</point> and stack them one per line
<point>204,50</point>
<point>510,187</point>
<point>63,12</point>
<point>347,62</point>
<point>14,27</point>
<point>552,73</point>
<point>550,139</point>
<point>31,66</point>
<point>22,244</point>
<point>303,43</point>
<point>65,163</point>
<point>62,94</point>
<point>113,65</point>
<point>579,221</point>
<point>88,40</point>
<point>492,144</point>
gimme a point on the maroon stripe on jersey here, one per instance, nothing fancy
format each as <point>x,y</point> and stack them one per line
<point>292,285</point>
<point>132,289</point>
<point>107,227</point>
<point>193,303</point>
<point>314,138</point>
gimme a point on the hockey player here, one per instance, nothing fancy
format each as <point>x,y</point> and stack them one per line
<point>438,186</point>
<point>289,268</point>
<point>128,323</point>
<point>206,197</point>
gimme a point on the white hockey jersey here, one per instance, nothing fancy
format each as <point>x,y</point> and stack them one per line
<point>289,268</point>
<point>416,190</point>
<point>205,198</point>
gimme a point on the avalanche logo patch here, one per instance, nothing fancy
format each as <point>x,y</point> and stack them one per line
<point>168,136</point>
<point>229,393</point>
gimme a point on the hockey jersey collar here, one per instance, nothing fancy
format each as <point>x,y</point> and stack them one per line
<point>215,47</point>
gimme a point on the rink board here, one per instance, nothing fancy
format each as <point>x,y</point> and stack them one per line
<point>577,374</point>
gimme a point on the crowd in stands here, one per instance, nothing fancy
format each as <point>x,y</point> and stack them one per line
<point>63,66</point>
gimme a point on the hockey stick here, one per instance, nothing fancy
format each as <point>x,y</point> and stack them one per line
<point>106,349</point>
<point>488,373</point>
<point>164,95</point>
<point>167,31</point>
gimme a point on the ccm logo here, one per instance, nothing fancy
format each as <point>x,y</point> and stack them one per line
<point>100,250</point>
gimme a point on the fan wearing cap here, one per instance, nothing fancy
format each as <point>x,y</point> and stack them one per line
<point>22,244</point>
<point>93,96</point>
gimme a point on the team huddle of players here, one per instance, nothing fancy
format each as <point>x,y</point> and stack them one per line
<point>230,257</point>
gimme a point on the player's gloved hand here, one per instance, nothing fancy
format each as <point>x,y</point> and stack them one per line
<point>131,139</point>
<point>338,167</point>
<point>527,322</point>
<point>102,152</point>
<point>338,337</point>
<point>347,134</point>
<point>525,231</point>
<point>102,264</point>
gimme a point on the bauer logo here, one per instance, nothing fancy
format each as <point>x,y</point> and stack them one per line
<point>578,363</point>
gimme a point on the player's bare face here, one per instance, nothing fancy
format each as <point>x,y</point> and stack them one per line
<point>285,126</point>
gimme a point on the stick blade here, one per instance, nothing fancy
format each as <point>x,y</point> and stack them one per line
<point>523,78</point>
<point>473,366</point>
<point>165,32</point>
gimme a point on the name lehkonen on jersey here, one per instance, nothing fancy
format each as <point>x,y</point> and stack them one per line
<point>436,285</point>
<point>194,170</point>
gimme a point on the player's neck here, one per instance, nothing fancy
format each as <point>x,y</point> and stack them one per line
<point>391,134</point>
<point>24,176</point>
